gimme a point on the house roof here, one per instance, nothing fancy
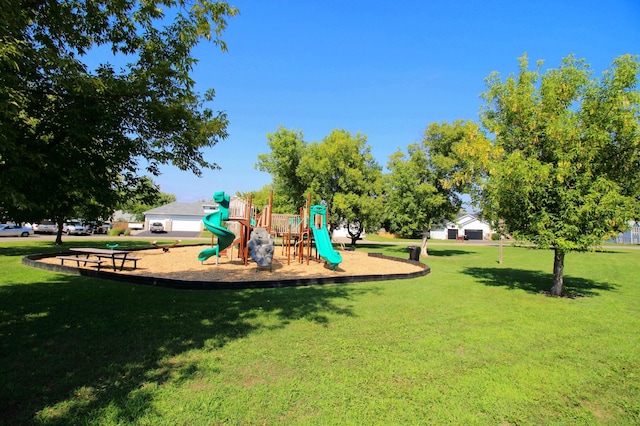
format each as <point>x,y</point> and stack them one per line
<point>461,220</point>
<point>181,209</point>
<point>466,218</point>
<point>123,216</point>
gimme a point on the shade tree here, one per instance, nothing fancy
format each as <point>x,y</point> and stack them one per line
<point>339,171</point>
<point>566,154</point>
<point>426,182</point>
<point>77,138</point>
<point>287,148</point>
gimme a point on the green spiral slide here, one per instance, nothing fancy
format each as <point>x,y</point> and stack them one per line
<point>213,222</point>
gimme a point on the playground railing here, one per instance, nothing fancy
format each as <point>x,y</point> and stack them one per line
<point>238,208</point>
<point>284,223</point>
<point>233,227</point>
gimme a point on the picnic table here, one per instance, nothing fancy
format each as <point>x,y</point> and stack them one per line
<point>121,256</point>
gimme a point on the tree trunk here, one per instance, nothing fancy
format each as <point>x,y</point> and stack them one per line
<point>425,237</point>
<point>59,233</point>
<point>354,237</point>
<point>558,272</point>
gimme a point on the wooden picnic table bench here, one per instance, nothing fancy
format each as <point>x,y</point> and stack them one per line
<point>120,255</point>
<point>80,259</point>
<point>121,258</point>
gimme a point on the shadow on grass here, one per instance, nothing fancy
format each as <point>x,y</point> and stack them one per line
<point>50,247</point>
<point>73,347</point>
<point>445,252</point>
<point>25,250</point>
<point>370,246</point>
<point>536,282</point>
<point>402,251</point>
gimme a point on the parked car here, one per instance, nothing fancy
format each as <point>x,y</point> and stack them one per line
<point>9,230</point>
<point>76,228</point>
<point>156,227</point>
<point>101,227</point>
<point>46,227</point>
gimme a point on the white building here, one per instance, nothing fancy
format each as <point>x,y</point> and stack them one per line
<point>466,225</point>
<point>187,217</point>
<point>631,236</point>
<point>179,216</point>
<point>342,232</point>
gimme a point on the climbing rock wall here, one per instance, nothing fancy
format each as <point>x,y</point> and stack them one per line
<point>261,247</point>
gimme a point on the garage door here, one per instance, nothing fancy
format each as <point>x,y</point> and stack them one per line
<point>452,234</point>
<point>186,225</point>
<point>473,234</point>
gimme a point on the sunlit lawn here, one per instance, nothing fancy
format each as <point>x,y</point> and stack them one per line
<point>474,342</point>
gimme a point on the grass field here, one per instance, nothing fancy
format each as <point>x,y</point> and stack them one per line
<point>474,342</point>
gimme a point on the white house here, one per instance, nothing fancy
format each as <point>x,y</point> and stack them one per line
<point>342,232</point>
<point>188,216</point>
<point>466,225</point>
<point>180,216</point>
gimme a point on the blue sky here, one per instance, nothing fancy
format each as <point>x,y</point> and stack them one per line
<point>384,69</point>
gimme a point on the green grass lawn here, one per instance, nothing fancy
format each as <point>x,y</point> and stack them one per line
<point>474,342</point>
<point>387,238</point>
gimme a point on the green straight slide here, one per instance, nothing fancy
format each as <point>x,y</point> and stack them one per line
<point>213,223</point>
<point>322,239</point>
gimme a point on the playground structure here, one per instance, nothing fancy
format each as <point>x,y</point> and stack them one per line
<point>297,235</point>
<point>322,238</point>
<point>230,222</point>
<point>239,214</point>
<point>294,232</point>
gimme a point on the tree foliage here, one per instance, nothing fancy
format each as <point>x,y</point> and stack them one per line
<point>412,196</point>
<point>340,170</point>
<point>282,162</point>
<point>566,154</point>
<point>426,182</point>
<point>147,197</point>
<point>75,138</point>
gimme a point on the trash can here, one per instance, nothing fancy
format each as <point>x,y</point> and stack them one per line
<point>414,253</point>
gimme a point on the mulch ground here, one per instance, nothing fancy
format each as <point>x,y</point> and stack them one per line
<point>182,263</point>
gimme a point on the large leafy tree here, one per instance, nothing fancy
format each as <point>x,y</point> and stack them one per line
<point>426,182</point>
<point>341,171</point>
<point>76,139</point>
<point>567,154</point>
<point>282,162</point>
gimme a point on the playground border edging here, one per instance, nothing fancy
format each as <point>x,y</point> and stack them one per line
<point>32,260</point>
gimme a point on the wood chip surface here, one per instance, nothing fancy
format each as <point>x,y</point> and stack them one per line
<point>182,263</point>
